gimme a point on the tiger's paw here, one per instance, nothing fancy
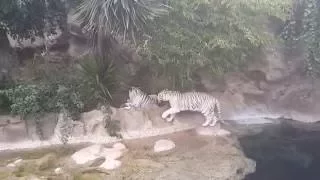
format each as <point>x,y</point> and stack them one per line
<point>169,119</point>
<point>163,115</point>
<point>205,124</point>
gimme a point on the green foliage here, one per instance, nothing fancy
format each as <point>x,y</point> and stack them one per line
<point>4,101</point>
<point>304,26</point>
<point>216,34</point>
<point>24,99</point>
<point>30,98</point>
<point>54,87</point>
<point>99,75</point>
<point>28,18</point>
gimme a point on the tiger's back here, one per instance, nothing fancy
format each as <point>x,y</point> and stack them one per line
<point>192,101</point>
<point>195,101</point>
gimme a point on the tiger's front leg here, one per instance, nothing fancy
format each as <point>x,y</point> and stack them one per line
<point>168,112</point>
<point>172,116</point>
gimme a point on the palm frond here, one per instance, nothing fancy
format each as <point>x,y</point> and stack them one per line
<point>118,17</point>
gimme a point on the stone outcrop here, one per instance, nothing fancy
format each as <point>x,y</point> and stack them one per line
<point>92,155</point>
<point>273,86</point>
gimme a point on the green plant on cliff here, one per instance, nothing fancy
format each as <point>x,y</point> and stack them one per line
<point>99,75</point>
<point>217,34</point>
<point>304,27</point>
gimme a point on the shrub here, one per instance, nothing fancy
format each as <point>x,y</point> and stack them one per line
<point>218,34</point>
<point>31,98</point>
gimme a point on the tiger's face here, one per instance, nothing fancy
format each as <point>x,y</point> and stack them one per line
<point>134,92</point>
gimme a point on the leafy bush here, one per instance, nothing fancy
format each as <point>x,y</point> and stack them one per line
<point>25,99</point>
<point>30,99</point>
<point>218,34</point>
<point>4,101</point>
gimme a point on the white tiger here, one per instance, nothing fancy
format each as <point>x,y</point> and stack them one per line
<point>140,99</point>
<point>191,101</point>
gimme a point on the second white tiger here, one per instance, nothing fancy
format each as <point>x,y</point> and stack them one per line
<point>140,99</point>
<point>191,101</point>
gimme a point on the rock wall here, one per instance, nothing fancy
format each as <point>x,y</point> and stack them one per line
<point>281,91</point>
<point>92,127</point>
<point>273,85</point>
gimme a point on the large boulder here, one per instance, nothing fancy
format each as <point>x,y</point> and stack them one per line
<point>98,155</point>
<point>137,123</point>
<point>88,154</point>
<point>136,119</point>
<point>94,123</point>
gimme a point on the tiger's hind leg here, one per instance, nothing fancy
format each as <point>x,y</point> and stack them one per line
<point>208,120</point>
<point>216,116</point>
<point>206,123</point>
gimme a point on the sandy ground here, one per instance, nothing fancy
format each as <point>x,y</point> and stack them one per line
<point>195,157</point>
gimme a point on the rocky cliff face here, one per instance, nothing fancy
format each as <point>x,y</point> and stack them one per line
<point>273,85</point>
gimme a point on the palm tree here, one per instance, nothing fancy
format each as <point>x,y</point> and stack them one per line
<point>106,19</point>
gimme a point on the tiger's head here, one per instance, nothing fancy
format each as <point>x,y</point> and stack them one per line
<point>134,92</point>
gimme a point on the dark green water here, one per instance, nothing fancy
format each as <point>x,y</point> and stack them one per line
<point>285,152</point>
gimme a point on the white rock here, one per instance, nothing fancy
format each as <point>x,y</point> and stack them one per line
<point>119,146</point>
<point>11,165</point>
<point>110,164</point>
<point>58,171</point>
<point>87,154</point>
<point>95,152</point>
<point>111,153</point>
<point>163,145</point>
<point>18,161</point>
<point>15,163</point>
